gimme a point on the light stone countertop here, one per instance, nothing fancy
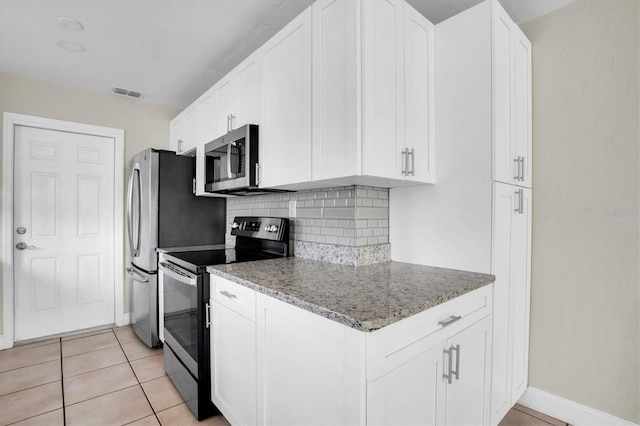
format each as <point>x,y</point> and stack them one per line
<point>365,298</point>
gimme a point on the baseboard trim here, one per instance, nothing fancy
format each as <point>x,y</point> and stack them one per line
<point>568,411</point>
<point>3,344</point>
<point>125,320</point>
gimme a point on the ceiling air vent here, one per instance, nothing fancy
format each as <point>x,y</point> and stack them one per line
<point>128,93</point>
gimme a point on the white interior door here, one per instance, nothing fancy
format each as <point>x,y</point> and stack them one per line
<point>64,222</point>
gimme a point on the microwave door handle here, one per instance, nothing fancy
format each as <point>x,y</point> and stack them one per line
<point>229,174</point>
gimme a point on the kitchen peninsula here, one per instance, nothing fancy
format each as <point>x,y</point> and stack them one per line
<point>298,341</point>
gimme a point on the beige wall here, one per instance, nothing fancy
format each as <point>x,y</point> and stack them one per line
<point>145,125</point>
<point>585,273</point>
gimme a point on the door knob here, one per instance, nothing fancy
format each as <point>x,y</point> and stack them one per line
<point>22,246</point>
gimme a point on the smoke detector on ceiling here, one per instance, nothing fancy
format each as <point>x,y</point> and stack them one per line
<point>127,93</point>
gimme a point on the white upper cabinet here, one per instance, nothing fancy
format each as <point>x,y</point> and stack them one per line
<point>419,76</point>
<point>183,131</point>
<point>225,101</point>
<point>382,88</point>
<point>373,78</point>
<point>522,105</point>
<point>285,125</point>
<point>237,96</point>
<point>335,87</point>
<point>511,101</point>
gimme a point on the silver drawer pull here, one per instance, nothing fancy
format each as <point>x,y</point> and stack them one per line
<point>450,321</point>
<point>229,295</point>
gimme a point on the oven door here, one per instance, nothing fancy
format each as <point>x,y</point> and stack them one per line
<point>180,291</point>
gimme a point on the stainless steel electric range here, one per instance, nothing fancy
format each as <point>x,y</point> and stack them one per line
<point>186,303</point>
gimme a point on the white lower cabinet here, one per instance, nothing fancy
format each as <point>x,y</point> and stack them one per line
<point>233,351</point>
<point>310,369</point>
<point>276,364</point>
<point>512,267</point>
<point>443,383</point>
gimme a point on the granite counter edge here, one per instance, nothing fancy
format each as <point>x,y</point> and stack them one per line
<point>344,319</point>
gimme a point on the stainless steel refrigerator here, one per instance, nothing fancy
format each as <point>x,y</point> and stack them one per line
<point>163,212</point>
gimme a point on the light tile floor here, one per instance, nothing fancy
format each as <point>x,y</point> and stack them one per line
<point>108,377</point>
<point>105,377</point>
<point>523,416</point>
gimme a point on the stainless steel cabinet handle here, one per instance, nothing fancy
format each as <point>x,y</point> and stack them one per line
<point>413,162</point>
<point>229,295</point>
<point>517,168</point>
<point>520,203</point>
<point>194,186</point>
<point>449,376</point>
<point>228,118</point>
<point>24,246</point>
<point>180,142</point>
<point>404,161</point>
<point>258,174</point>
<point>451,320</point>
<point>456,372</point>
<point>522,169</point>
<point>207,314</point>
<point>232,119</point>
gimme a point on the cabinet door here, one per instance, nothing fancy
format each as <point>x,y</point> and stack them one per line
<point>248,75</point>
<point>504,202</point>
<point>285,128</point>
<point>225,103</point>
<point>310,369</point>
<point>176,136</point>
<point>505,167</point>
<point>520,293</point>
<point>467,396</point>
<point>233,365</point>
<point>382,88</point>
<point>206,118</point>
<point>335,80</point>
<point>522,103</point>
<point>190,131</point>
<point>412,394</point>
<point>419,52</point>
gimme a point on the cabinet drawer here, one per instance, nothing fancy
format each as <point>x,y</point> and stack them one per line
<point>398,343</point>
<point>236,297</point>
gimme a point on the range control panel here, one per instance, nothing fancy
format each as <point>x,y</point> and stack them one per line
<point>265,228</point>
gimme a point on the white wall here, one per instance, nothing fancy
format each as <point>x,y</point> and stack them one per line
<point>585,263</point>
<point>146,125</point>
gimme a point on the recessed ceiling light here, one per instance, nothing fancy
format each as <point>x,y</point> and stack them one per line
<point>71,46</point>
<point>70,24</point>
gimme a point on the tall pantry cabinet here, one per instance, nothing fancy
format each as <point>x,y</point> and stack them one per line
<point>478,216</point>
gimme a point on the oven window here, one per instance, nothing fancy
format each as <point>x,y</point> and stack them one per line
<point>181,314</point>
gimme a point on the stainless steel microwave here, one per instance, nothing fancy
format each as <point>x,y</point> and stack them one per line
<point>231,162</point>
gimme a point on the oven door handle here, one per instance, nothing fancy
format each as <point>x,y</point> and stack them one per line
<point>178,274</point>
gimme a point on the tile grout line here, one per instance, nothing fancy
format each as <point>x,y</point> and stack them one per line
<point>153,410</point>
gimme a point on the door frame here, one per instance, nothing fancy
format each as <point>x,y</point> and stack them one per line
<point>10,120</point>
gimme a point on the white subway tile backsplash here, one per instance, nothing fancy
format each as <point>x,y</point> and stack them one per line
<point>352,216</point>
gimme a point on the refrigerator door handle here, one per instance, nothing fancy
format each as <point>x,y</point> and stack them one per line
<point>134,228</point>
<point>131,272</point>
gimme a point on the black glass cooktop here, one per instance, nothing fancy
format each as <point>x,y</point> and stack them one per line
<point>203,258</point>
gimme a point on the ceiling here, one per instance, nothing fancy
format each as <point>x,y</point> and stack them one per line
<point>170,50</point>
